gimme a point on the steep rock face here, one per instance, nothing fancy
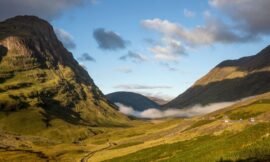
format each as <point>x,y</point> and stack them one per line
<point>39,76</point>
<point>229,81</point>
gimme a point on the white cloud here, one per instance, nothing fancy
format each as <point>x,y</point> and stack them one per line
<point>212,31</point>
<point>164,26</point>
<point>47,9</point>
<point>66,38</point>
<point>177,39</point>
<point>170,50</point>
<point>248,23</point>
<point>249,15</point>
<point>189,14</point>
<point>126,109</point>
<point>138,86</point>
<point>153,113</point>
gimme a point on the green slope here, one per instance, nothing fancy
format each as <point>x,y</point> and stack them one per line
<point>212,139</point>
<point>43,89</point>
<point>231,80</point>
<point>202,138</point>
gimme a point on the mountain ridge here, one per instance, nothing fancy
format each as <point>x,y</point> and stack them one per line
<point>228,81</point>
<point>40,78</point>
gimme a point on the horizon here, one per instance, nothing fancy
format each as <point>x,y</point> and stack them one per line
<point>156,48</point>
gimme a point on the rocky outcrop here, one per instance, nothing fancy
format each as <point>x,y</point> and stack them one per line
<point>37,72</point>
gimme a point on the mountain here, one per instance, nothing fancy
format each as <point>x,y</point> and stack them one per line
<point>231,80</point>
<point>137,101</point>
<point>42,87</point>
<point>158,100</point>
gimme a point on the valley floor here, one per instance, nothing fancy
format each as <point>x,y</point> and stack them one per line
<point>237,133</point>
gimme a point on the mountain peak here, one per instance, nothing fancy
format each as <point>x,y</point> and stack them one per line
<point>33,38</point>
<point>38,74</point>
<point>229,81</point>
<point>26,26</point>
<point>26,19</point>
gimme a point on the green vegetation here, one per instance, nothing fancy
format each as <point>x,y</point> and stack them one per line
<point>127,145</point>
<point>43,90</point>
<point>249,111</point>
<point>210,148</point>
<point>199,123</point>
<point>158,140</point>
<point>50,110</point>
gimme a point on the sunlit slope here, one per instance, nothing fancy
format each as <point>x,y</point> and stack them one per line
<point>230,80</point>
<point>43,89</point>
<point>239,132</point>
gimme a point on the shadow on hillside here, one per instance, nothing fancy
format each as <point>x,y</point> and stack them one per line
<point>54,109</point>
<point>251,159</point>
<point>249,63</point>
<point>3,52</point>
<point>225,91</point>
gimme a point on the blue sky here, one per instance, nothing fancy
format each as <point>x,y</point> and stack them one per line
<point>166,44</point>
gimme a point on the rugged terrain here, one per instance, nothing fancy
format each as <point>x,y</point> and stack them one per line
<point>51,110</point>
<point>231,80</point>
<point>43,89</point>
<point>237,133</point>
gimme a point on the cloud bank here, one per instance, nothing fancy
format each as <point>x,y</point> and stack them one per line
<point>249,15</point>
<point>154,113</point>
<point>47,9</point>
<point>239,21</point>
<point>109,40</point>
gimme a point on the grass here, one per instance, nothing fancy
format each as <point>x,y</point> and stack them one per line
<point>249,111</point>
<point>127,145</point>
<point>49,112</point>
<point>45,102</point>
<point>199,123</point>
<point>208,148</point>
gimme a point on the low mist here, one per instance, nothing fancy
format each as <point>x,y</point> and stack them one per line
<point>153,113</point>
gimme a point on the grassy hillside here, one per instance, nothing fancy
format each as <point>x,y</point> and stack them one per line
<point>43,90</point>
<point>239,132</point>
<point>252,143</point>
<point>228,81</point>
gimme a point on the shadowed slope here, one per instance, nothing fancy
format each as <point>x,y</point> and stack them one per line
<point>229,81</point>
<point>40,77</point>
<point>135,100</point>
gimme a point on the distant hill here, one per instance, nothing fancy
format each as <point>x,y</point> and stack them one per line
<point>42,87</point>
<point>158,100</point>
<point>229,81</point>
<point>137,101</point>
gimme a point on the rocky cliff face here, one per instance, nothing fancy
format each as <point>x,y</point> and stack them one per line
<point>39,76</point>
<point>229,81</point>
